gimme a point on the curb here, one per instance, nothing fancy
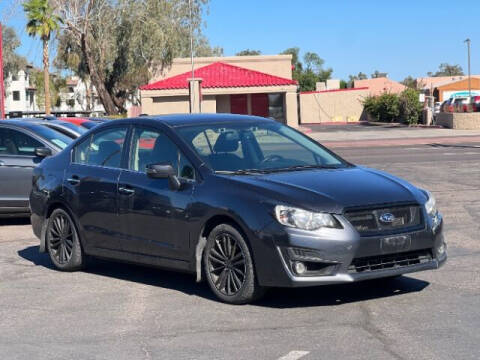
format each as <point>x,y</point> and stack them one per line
<point>402,142</point>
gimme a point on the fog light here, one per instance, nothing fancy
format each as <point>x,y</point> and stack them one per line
<point>441,249</point>
<point>299,267</point>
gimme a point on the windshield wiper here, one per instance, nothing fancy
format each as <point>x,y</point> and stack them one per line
<point>241,172</point>
<point>305,167</point>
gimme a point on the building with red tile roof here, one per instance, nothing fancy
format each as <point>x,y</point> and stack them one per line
<point>256,85</point>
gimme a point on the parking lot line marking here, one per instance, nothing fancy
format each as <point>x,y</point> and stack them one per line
<point>294,355</point>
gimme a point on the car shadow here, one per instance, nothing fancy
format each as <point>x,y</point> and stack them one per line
<point>129,272</point>
<point>327,295</point>
<point>330,295</point>
<point>14,221</point>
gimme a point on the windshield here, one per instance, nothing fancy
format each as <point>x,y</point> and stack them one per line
<point>59,140</point>
<point>258,147</point>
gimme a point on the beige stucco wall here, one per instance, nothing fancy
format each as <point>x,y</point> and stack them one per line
<point>332,106</point>
<point>279,65</point>
<point>460,121</point>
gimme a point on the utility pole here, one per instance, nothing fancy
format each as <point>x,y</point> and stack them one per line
<point>469,75</point>
<point>192,93</point>
<point>2,84</point>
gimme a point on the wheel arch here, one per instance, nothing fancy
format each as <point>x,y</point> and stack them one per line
<point>50,208</point>
<point>207,227</point>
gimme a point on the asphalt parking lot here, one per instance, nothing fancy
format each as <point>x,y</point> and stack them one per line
<point>118,311</point>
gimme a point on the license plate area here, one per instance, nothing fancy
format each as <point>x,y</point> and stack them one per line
<point>395,243</point>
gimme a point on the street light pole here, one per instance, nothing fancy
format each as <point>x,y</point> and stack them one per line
<point>2,84</point>
<point>469,76</point>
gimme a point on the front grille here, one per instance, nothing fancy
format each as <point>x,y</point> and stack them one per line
<point>371,221</point>
<point>392,261</point>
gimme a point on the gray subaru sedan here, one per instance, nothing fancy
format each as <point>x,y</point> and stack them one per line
<point>244,202</point>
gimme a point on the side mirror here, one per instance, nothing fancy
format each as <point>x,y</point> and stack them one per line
<point>43,152</point>
<point>164,171</point>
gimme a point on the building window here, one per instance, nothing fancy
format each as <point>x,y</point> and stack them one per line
<point>70,89</point>
<point>15,77</point>
<point>71,103</point>
<point>275,107</point>
<point>16,96</point>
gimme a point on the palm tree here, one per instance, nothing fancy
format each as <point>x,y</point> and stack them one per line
<point>42,22</point>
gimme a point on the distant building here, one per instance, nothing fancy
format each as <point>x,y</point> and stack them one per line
<point>445,87</point>
<point>19,92</point>
<point>256,85</point>
<point>79,96</point>
<point>380,85</point>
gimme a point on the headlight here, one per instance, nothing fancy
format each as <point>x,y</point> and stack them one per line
<point>431,205</point>
<point>303,219</point>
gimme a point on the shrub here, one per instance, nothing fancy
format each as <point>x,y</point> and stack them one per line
<point>385,107</point>
<point>405,107</point>
<point>410,106</point>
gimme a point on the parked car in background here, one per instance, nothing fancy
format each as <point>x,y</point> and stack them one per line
<point>460,104</point>
<point>475,103</point>
<point>245,201</point>
<point>82,122</point>
<point>69,129</point>
<point>444,106</point>
<point>23,145</point>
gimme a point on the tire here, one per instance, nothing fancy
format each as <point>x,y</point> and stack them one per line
<point>228,266</point>
<point>63,242</point>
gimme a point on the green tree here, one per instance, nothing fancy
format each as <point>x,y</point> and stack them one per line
<point>446,69</point>
<point>42,22</point>
<point>378,74</point>
<point>248,52</point>
<point>352,78</point>
<point>56,84</point>
<point>310,71</point>
<point>12,62</point>
<point>410,82</point>
<point>123,44</point>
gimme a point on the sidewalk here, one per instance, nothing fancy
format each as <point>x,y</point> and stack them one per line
<point>361,136</point>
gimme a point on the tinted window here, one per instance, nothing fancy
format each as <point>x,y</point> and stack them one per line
<point>53,136</point>
<point>150,146</point>
<point>13,142</point>
<point>260,146</point>
<point>102,149</point>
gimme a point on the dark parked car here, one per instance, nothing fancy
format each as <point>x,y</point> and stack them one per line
<point>244,201</point>
<point>23,145</point>
<point>69,129</point>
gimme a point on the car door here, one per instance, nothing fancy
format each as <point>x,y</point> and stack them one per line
<point>90,186</point>
<point>17,160</point>
<point>154,218</point>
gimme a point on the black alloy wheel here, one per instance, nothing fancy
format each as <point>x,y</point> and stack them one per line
<point>229,267</point>
<point>63,242</point>
<point>226,264</point>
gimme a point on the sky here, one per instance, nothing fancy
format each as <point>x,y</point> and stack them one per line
<point>401,38</point>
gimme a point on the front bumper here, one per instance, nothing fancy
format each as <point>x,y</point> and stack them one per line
<point>337,250</point>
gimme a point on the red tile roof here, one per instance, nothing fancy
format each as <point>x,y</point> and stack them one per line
<point>220,75</point>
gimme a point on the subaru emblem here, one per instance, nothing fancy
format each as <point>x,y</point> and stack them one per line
<point>387,218</point>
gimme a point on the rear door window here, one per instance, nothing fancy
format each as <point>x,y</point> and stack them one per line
<point>102,149</point>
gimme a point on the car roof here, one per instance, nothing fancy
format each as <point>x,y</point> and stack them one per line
<point>192,119</point>
<point>24,123</point>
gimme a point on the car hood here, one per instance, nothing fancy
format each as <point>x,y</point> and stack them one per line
<point>333,190</point>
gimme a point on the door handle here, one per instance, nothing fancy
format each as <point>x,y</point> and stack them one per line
<point>74,180</point>
<point>126,191</point>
